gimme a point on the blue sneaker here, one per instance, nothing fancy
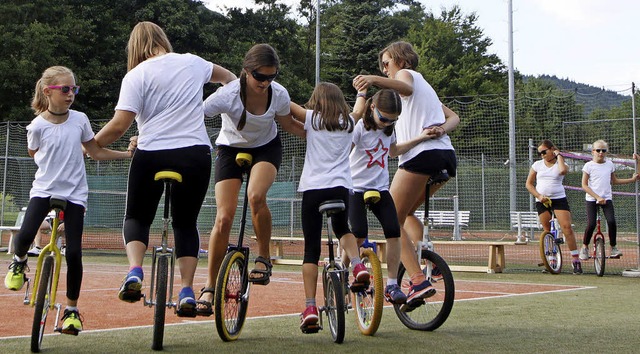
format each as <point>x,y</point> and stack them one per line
<point>417,294</point>
<point>130,291</point>
<point>186,303</point>
<point>393,294</point>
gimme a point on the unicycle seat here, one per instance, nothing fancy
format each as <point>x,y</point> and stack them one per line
<point>439,178</point>
<point>168,175</point>
<point>57,202</point>
<point>331,207</point>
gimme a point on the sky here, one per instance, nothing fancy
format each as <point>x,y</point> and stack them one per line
<point>586,41</point>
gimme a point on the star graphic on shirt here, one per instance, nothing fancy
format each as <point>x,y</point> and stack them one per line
<point>377,154</point>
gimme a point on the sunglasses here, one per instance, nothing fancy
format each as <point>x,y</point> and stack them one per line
<point>384,119</point>
<point>263,77</point>
<point>600,150</point>
<point>66,89</point>
<point>543,152</point>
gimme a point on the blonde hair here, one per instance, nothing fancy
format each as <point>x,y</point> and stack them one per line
<point>146,40</point>
<point>600,142</point>
<point>259,55</point>
<point>328,101</point>
<point>50,76</point>
<point>402,53</point>
<point>386,100</point>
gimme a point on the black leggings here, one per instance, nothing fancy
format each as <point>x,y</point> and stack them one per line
<point>384,210</point>
<point>592,209</point>
<point>37,210</point>
<point>143,195</point>
<point>312,219</point>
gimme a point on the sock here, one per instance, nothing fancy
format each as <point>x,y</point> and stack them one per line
<point>309,302</point>
<point>71,308</point>
<point>575,253</point>
<point>392,281</point>
<point>355,262</point>
<point>20,259</point>
<point>135,267</point>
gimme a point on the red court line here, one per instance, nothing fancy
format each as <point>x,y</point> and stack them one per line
<point>102,310</point>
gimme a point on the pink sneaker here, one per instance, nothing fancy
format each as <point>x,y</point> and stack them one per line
<point>309,318</point>
<point>361,274</point>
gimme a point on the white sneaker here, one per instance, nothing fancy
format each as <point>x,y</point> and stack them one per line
<point>615,252</point>
<point>34,252</point>
<point>584,253</point>
<point>63,250</point>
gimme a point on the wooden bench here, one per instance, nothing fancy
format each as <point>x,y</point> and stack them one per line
<point>525,221</point>
<point>12,230</point>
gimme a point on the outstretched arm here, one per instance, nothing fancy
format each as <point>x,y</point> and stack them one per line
<point>115,129</point>
<point>99,153</point>
<point>221,75</point>
<point>291,125</point>
<point>403,82</point>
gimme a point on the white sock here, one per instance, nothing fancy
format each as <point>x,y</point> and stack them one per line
<point>72,308</point>
<point>20,259</point>
<point>392,281</point>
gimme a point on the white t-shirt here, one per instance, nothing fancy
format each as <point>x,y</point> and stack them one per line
<point>420,110</point>
<point>326,162</point>
<point>599,179</point>
<point>549,180</point>
<point>370,158</point>
<point>258,129</point>
<point>61,171</point>
<point>165,93</point>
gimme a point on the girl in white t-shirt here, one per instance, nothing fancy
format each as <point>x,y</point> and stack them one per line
<point>249,107</point>
<point>326,175</point>
<point>162,91</point>
<point>548,174</point>
<point>421,110</point>
<point>374,141</point>
<point>55,140</point>
<point>597,177</point>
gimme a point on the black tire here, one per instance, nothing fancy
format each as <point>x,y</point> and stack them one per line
<point>600,258</point>
<point>230,305</point>
<point>42,305</point>
<point>334,304</point>
<point>436,310</point>
<point>160,307</point>
<point>550,253</point>
<point>368,304</point>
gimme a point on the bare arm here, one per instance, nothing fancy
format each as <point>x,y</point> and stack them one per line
<point>531,178</point>
<point>221,75</point>
<point>400,148</point>
<point>616,180</point>
<point>585,186</point>
<point>99,153</point>
<point>562,166</point>
<point>115,129</point>
<point>298,112</point>
<point>360,107</point>
<point>403,82</point>
<point>451,121</point>
<point>291,125</point>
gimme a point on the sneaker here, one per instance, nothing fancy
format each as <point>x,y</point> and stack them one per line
<point>186,303</point>
<point>309,318</point>
<point>436,274</point>
<point>63,250</point>
<point>34,252</point>
<point>361,277</point>
<point>615,252</point>
<point>393,294</point>
<point>131,286</point>
<point>577,267</point>
<point>16,276</point>
<point>584,253</point>
<point>420,291</point>
<point>71,322</point>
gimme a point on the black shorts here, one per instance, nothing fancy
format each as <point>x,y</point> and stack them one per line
<point>227,168</point>
<point>432,162</point>
<point>556,204</point>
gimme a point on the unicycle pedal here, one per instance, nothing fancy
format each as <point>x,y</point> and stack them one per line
<point>311,328</point>
<point>412,305</point>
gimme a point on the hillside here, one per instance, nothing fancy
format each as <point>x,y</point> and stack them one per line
<point>604,98</point>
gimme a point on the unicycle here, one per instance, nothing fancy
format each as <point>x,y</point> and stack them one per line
<point>162,265</point>
<point>231,297</point>
<point>430,313</point>
<point>368,303</point>
<point>550,250</point>
<point>45,286</point>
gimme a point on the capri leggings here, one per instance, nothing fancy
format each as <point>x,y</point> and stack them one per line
<point>37,210</point>
<point>312,219</point>
<point>384,210</point>
<point>143,194</point>
<point>592,210</point>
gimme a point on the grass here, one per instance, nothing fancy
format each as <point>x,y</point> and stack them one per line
<point>602,318</point>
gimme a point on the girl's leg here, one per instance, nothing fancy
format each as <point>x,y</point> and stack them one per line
<point>37,210</point>
<point>612,226</point>
<point>385,211</point>
<point>591,208</point>
<point>312,230</point>
<point>263,174</point>
<point>74,221</point>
